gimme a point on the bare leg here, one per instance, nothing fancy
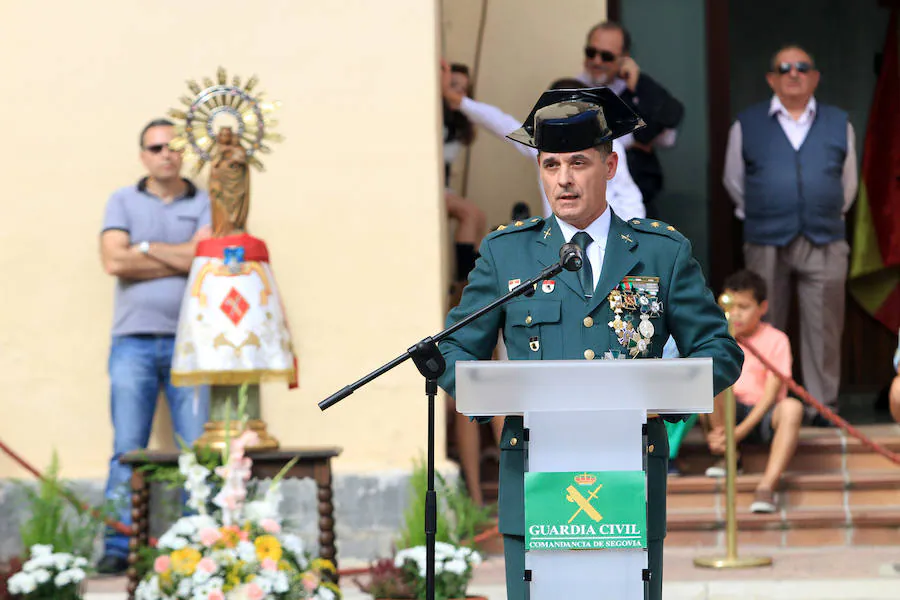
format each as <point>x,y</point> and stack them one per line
<point>895,398</point>
<point>497,426</point>
<point>786,421</point>
<point>472,222</point>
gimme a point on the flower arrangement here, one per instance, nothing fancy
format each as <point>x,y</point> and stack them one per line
<point>403,576</point>
<point>234,548</point>
<point>49,575</point>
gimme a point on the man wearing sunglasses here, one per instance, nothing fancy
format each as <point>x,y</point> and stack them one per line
<point>790,167</point>
<point>150,231</point>
<point>608,62</point>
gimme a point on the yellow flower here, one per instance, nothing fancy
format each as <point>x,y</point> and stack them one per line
<point>184,561</point>
<point>267,546</point>
<point>322,565</point>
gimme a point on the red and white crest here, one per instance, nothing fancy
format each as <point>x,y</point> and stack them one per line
<point>513,283</point>
<point>548,285</point>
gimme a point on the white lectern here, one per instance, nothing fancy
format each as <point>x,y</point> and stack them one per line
<point>585,418</point>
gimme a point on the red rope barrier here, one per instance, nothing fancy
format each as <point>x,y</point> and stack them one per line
<point>823,410</point>
<point>78,504</point>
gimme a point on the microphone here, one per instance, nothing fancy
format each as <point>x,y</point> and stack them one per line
<point>571,257</point>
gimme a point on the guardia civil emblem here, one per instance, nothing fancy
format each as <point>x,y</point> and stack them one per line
<point>534,343</point>
<point>548,285</point>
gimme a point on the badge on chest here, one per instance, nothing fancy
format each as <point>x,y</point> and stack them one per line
<point>635,304</point>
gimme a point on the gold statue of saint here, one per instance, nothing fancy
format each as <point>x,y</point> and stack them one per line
<point>229,185</point>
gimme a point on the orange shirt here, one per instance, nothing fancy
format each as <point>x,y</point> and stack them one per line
<point>775,346</point>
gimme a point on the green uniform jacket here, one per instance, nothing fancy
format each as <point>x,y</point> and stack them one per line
<point>559,323</point>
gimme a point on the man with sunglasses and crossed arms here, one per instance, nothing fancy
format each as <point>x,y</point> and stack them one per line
<point>608,62</point>
<point>150,231</point>
<point>790,167</point>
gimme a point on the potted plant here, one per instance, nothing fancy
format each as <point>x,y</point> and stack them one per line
<point>58,538</point>
<point>403,576</point>
<point>235,547</point>
<point>49,575</point>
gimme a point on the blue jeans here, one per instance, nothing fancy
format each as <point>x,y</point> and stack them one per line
<point>139,366</point>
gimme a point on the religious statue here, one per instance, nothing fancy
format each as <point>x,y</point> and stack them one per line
<point>229,185</point>
<point>232,329</point>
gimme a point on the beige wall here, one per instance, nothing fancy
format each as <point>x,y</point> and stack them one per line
<point>350,205</point>
<point>527,44</point>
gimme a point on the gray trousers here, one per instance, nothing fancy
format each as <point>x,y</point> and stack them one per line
<point>821,274</point>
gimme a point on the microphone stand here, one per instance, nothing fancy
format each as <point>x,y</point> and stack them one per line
<point>431,365</point>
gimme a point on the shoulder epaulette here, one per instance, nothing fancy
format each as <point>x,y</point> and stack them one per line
<point>529,223</point>
<point>657,227</point>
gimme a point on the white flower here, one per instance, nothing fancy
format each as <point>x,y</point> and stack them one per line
<point>41,576</point>
<point>148,589</point>
<point>292,544</point>
<point>323,593</point>
<point>39,550</point>
<point>183,526</point>
<point>21,583</point>
<point>67,577</point>
<point>186,460</point>
<point>80,562</point>
<point>455,565</point>
<point>61,560</point>
<point>246,552</point>
<point>170,540</point>
<point>185,587</point>
<point>281,584</point>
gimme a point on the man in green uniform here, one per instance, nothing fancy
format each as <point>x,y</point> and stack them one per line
<point>639,284</point>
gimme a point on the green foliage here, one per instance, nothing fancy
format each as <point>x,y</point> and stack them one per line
<point>413,531</point>
<point>459,518</point>
<point>466,518</point>
<point>54,521</point>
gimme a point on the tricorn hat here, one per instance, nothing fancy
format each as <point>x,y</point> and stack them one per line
<point>572,120</point>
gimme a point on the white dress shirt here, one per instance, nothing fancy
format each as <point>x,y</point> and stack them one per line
<point>596,250</point>
<point>795,130</point>
<point>621,192</point>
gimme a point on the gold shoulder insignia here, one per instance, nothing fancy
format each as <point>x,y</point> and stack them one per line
<point>501,228</point>
<point>656,227</point>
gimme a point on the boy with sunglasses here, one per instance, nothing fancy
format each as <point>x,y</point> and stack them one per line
<point>790,167</point>
<point>608,62</point>
<point>150,231</point>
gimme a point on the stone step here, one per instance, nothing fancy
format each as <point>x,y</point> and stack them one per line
<point>818,451</point>
<point>861,526</point>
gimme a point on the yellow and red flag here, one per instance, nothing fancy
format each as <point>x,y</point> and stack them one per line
<point>875,265</point>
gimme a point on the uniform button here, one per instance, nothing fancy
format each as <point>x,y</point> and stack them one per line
<point>589,354</point>
<point>513,441</point>
<point>528,320</point>
<point>651,448</point>
<point>588,322</point>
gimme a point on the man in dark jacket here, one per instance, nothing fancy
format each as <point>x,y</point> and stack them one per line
<point>607,62</point>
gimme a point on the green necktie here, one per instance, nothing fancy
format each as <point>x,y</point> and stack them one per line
<point>585,274</point>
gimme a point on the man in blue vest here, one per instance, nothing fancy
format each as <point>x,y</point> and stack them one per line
<point>790,168</point>
<point>592,313</point>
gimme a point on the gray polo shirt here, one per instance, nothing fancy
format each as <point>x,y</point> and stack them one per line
<point>152,306</point>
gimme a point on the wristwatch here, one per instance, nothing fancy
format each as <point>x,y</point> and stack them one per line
<point>144,247</point>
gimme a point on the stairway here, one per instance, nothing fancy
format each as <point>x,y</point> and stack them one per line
<point>836,492</point>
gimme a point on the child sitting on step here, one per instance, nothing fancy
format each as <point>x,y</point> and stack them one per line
<point>764,414</point>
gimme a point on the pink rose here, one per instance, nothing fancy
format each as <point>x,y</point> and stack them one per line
<point>270,525</point>
<point>254,592</point>
<point>216,595</point>
<point>208,565</point>
<point>209,536</point>
<point>269,565</point>
<point>248,438</point>
<point>310,582</point>
<point>161,564</point>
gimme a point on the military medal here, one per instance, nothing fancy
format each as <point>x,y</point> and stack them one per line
<point>512,283</point>
<point>534,343</point>
<point>548,285</point>
<point>635,294</point>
